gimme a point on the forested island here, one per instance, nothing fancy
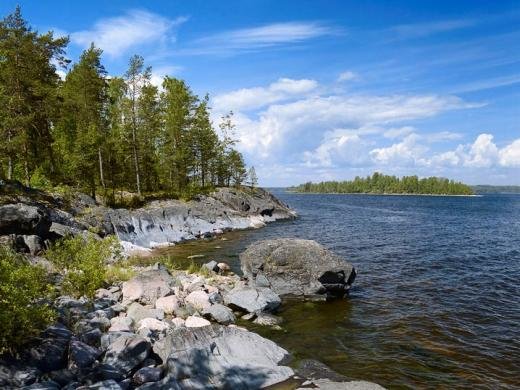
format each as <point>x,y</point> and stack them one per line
<point>489,189</point>
<point>100,133</point>
<point>386,184</point>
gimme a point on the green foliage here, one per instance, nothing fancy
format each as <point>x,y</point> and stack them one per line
<point>118,273</point>
<point>384,184</point>
<point>23,287</point>
<point>92,132</point>
<point>83,261</point>
<point>39,180</point>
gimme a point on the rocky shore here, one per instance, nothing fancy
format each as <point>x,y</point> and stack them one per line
<point>166,328</point>
<point>30,219</point>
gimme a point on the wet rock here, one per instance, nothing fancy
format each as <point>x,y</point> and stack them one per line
<point>252,299</point>
<point>196,322</point>
<point>168,304</point>
<point>148,286</point>
<point>219,313</point>
<point>297,267</point>
<point>82,355</point>
<point>266,319</point>
<point>127,352</point>
<point>223,357</point>
<point>147,374</point>
<point>199,299</point>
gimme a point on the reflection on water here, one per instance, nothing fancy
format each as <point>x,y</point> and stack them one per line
<point>436,303</point>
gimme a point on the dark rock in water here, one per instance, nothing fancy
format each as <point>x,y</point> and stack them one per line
<point>297,267</point>
<point>147,374</point>
<point>223,357</point>
<point>20,218</point>
<point>252,299</point>
<point>127,352</point>
<point>314,369</point>
<point>82,355</point>
<point>219,313</point>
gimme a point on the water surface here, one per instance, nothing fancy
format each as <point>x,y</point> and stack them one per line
<point>436,303</point>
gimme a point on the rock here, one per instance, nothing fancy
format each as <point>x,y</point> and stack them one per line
<point>223,267</point>
<point>104,385</point>
<point>126,352</point>
<point>249,316</point>
<point>147,374</point>
<point>176,322</point>
<point>82,355</point>
<point>168,304</point>
<point>211,266</point>
<point>215,297</point>
<point>196,322</point>
<point>148,286</point>
<point>199,299</point>
<point>47,385</point>
<point>223,357</point>
<point>121,324</point>
<point>153,325</point>
<point>103,372</point>
<point>137,312</point>
<point>252,299</point>
<point>50,354</point>
<point>59,230</point>
<point>57,331</point>
<point>219,313</point>
<point>327,384</point>
<point>297,267</point>
<point>266,319</point>
<point>21,218</point>
<point>167,383</point>
<point>17,375</point>
<point>92,337</point>
<point>63,377</point>
<point>33,243</point>
<point>110,337</point>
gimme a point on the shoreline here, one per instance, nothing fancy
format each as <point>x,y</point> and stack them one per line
<point>385,194</point>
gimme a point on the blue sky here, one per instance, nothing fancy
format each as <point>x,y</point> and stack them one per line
<point>334,89</point>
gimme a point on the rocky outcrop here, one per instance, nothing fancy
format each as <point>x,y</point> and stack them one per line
<point>20,218</point>
<point>223,357</point>
<point>296,267</point>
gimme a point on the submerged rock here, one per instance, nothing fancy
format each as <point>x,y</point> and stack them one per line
<point>297,267</point>
<point>222,357</point>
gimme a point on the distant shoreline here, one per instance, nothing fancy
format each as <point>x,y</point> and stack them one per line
<point>381,194</point>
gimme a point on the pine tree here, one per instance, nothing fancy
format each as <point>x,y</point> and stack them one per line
<point>28,82</point>
<point>253,179</point>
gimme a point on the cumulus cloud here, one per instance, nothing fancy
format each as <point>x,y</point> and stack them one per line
<point>409,151</point>
<point>510,155</point>
<point>338,147</point>
<point>116,35</point>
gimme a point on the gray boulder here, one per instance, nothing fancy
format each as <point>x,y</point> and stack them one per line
<point>223,357</point>
<point>33,243</point>
<point>137,312</point>
<point>147,374</point>
<point>252,299</point>
<point>82,355</point>
<point>20,218</point>
<point>219,313</point>
<point>297,267</point>
<point>127,352</point>
<point>148,286</point>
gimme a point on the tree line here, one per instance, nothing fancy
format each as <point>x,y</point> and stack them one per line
<point>95,132</point>
<point>385,184</point>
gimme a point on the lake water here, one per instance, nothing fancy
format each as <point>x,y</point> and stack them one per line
<point>436,303</point>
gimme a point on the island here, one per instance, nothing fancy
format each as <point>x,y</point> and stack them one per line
<point>379,183</point>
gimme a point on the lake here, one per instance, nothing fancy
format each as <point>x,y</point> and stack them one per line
<point>436,303</point>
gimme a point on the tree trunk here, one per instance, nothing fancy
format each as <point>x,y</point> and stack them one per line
<point>101,174</point>
<point>26,165</point>
<point>136,162</point>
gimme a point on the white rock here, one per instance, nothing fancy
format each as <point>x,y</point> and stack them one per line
<point>121,324</point>
<point>224,267</point>
<point>169,304</point>
<point>196,322</point>
<point>177,322</point>
<point>199,299</point>
<point>153,324</point>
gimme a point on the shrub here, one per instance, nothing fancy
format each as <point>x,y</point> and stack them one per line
<point>23,289</point>
<point>83,260</point>
<point>39,180</point>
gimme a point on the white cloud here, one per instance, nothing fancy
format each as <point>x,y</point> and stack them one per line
<point>250,98</point>
<point>416,30</point>
<point>483,152</point>
<point>510,155</point>
<point>347,76</point>
<point>256,38</point>
<point>159,72</point>
<point>338,147</point>
<point>409,151</point>
<point>116,35</point>
<point>398,132</point>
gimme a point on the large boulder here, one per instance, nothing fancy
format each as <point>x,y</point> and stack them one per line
<point>223,357</point>
<point>148,286</point>
<point>297,267</point>
<point>127,352</point>
<point>20,218</point>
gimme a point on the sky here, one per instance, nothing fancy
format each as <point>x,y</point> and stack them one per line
<point>329,90</point>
